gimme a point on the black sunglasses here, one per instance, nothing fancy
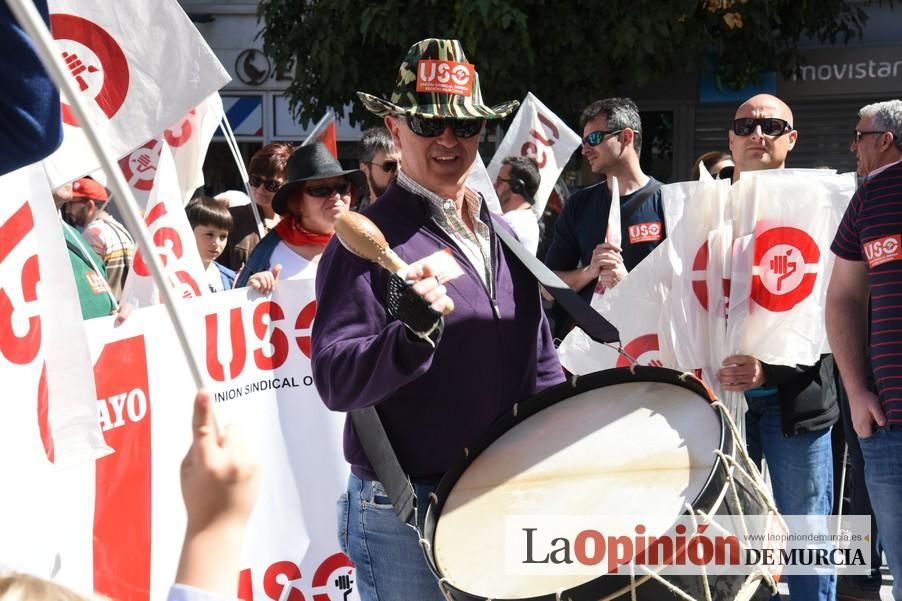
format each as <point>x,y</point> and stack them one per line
<point>597,137</point>
<point>433,128</point>
<point>725,173</point>
<point>327,191</point>
<point>387,166</point>
<point>856,137</point>
<point>770,126</point>
<point>271,185</point>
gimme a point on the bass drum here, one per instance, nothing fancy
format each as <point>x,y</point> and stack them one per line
<point>650,442</point>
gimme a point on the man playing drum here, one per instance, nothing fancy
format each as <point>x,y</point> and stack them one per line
<point>382,341</point>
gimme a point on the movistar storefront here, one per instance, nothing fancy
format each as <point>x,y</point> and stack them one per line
<point>690,116</point>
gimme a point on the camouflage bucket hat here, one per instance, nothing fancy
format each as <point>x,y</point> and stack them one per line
<point>436,81</point>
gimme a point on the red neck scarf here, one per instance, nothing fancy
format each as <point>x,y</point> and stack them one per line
<point>291,231</point>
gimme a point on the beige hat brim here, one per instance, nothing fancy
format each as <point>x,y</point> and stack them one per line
<point>381,107</point>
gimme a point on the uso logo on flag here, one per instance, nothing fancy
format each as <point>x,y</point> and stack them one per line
<point>445,77</point>
<point>645,232</point>
<point>882,250</point>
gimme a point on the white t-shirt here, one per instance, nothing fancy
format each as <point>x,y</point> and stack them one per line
<point>294,266</point>
<point>214,278</point>
<point>526,226</point>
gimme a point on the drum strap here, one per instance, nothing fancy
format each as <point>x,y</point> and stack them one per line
<point>385,463</point>
<point>597,327</point>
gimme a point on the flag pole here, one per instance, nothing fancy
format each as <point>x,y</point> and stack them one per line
<point>232,143</point>
<point>320,127</point>
<point>33,24</point>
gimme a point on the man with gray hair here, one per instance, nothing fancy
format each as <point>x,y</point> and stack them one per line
<point>877,141</point>
<point>877,144</point>
<point>379,160</point>
<point>863,314</point>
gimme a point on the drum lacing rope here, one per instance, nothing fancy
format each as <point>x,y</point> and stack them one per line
<point>442,583</point>
<point>557,595</point>
<point>694,516</point>
<point>466,452</point>
<point>739,442</point>
<point>754,478</point>
<point>433,498</point>
<point>426,546</point>
<point>516,407</point>
<point>633,579</point>
<point>672,588</point>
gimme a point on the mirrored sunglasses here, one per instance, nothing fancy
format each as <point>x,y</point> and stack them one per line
<point>328,191</point>
<point>271,185</point>
<point>433,128</point>
<point>597,137</point>
<point>770,126</point>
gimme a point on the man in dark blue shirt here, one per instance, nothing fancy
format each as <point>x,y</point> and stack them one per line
<point>612,141</point>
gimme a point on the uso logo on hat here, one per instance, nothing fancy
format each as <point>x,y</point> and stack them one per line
<point>445,77</point>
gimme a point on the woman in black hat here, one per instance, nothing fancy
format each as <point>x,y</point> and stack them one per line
<point>317,192</point>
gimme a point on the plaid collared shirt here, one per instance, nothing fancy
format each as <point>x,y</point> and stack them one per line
<point>475,244</point>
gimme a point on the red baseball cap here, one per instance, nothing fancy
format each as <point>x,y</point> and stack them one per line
<point>88,188</point>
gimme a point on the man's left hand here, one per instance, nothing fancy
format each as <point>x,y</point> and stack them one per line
<point>610,260</point>
<point>740,373</point>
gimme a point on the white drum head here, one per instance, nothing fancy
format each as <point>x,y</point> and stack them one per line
<point>640,448</point>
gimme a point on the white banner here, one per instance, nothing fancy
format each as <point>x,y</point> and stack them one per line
<point>257,359</point>
<point>173,240</point>
<point>143,69</point>
<point>538,133</point>
<point>48,417</point>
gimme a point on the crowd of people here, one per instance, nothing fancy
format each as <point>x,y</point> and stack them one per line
<point>445,357</point>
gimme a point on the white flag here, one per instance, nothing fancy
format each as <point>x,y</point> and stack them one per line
<point>188,140</point>
<point>538,133</point>
<point>779,286</point>
<point>634,306</point>
<point>49,415</point>
<point>143,69</point>
<point>173,240</point>
<point>692,210</point>
<point>614,235</point>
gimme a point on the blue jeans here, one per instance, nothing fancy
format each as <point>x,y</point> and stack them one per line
<point>390,563</point>
<point>801,472</point>
<point>883,472</point>
<point>860,502</point>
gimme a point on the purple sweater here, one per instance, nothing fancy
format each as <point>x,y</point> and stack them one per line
<point>433,402</point>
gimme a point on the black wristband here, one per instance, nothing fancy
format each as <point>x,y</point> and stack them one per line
<point>405,305</point>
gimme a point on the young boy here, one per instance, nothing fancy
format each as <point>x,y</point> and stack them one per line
<point>211,222</point>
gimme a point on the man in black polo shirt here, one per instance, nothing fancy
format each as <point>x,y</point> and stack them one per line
<point>612,141</point>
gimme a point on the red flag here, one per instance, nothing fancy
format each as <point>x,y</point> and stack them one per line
<point>330,139</point>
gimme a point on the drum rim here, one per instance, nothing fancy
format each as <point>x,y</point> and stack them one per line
<point>539,402</point>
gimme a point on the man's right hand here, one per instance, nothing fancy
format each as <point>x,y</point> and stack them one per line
<point>428,287</point>
<point>866,412</point>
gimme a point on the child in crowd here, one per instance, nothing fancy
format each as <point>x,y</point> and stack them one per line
<point>211,221</point>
